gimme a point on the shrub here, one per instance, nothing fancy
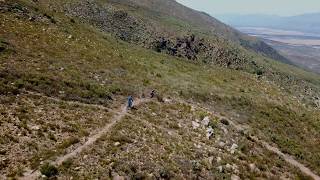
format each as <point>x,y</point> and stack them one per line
<point>259,72</point>
<point>68,142</point>
<point>67,164</point>
<point>49,170</point>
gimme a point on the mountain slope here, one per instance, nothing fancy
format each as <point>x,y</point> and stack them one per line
<point>63,78</point>
<point>207,24</point>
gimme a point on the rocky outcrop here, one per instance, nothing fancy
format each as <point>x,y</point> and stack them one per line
<point>194,48</point>
<point>109,19</point>
<point>130,28</point>
<point>23,12</point>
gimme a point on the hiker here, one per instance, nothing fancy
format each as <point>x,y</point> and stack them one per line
<point>130,102</point>
<point>153,93</point>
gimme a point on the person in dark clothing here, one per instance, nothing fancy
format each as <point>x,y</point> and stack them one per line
<point>152,94</point>
<point>130,102</point>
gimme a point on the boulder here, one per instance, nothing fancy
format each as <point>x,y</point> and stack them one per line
<point>35,128</point>
<point>195,125</point>
<point>205,121</point>
<point>229,167</point>
<point>117,177</point>
<point>221,144</point>
<point>233,148</point>
<point>235,177</point>
<point>209,132</point>
<point>219,159</point>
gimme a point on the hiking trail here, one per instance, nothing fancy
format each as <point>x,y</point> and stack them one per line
<point>119,114</point>
<point>289,159</point>
<point>122,111</point>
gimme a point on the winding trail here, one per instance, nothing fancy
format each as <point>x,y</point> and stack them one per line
<point>289,159</point>
<point>120,113</point>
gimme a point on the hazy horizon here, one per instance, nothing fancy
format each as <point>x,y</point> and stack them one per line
<point>245,7</point>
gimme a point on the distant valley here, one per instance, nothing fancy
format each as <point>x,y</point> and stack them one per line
<point>297,37</point>
<point>302,49</point>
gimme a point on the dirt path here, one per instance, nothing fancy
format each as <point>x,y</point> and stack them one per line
<point>289,159</point>
<point>120,113</point>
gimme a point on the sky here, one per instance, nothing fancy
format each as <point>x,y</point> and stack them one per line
<point>270,7</point>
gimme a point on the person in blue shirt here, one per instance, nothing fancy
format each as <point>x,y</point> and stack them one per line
<point>130,102</point>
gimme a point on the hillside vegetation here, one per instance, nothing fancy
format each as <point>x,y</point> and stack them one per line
<point>66,65</point>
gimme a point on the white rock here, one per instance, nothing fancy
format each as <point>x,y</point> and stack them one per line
<point>228,166</point>
<point>205,121</point>
<point>235,177</point>
<point>224,130</point>
<point>252,166</point>
<point>210,159</point>
<point>233,148</point>
<point>36,127</point>
<point>209,132</point>
<point>219,159</point>
<point>220,169</point>
<point>117,144</point>
<point>235,168</point>
<point>77,168</point>
<point>117,177</point>
<point>221,144</point>
<point>195,125</point>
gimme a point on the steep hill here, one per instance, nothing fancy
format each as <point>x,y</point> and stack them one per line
<point>67,67</point>
<point>206,24</point>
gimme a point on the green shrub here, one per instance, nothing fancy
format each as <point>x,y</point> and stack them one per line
<point>67,163</point>
<point>68,142</point>
<point>49,170</point>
